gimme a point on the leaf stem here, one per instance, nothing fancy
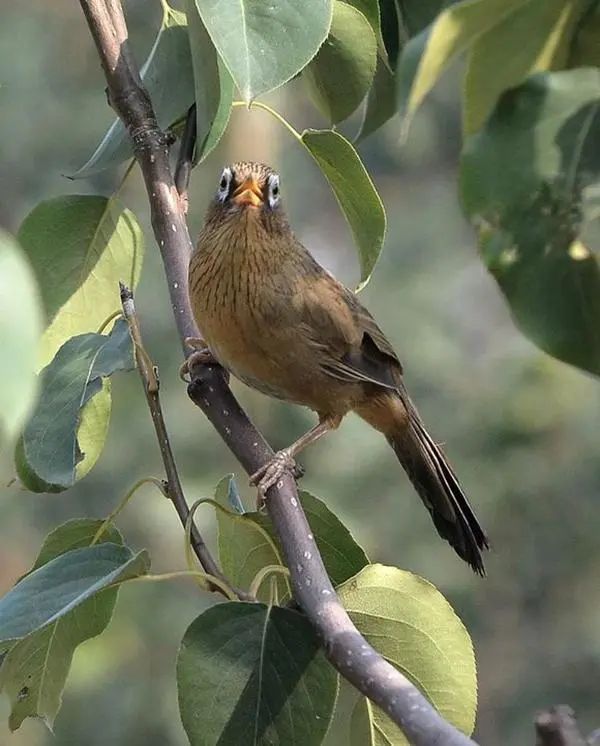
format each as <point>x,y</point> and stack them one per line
<point>108,319</point>
<point>263,573</point>
<point>130,493</point>
<point>273,113</point>
<point>210,580</point>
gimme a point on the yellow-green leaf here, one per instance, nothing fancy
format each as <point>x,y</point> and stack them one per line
<point>245,547</point>
<point>413,626</point>
<point>20,328</point>
<point>450,35</point>
<point>534,38</point>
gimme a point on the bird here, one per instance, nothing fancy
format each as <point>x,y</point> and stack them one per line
<point>281,323</point>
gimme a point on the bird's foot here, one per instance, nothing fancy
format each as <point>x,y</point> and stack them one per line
<point>201,356</point>
<point>272,472</point>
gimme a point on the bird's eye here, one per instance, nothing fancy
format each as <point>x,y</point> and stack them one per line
<point>273,190</point>
<point>224,185</point>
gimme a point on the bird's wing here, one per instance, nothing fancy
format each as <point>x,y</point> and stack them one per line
<point>353,348</point>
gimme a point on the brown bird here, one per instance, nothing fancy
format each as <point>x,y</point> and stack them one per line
<point>282,324</point>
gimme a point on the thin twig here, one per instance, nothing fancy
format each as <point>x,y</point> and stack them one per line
<point>557,727</point>
<point>148,374</point>
<point>347,650</point>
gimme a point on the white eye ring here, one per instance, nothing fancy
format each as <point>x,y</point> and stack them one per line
<point>274,190</point>
<point>224,185</point>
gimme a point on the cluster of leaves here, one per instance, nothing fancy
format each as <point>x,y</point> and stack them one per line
<point>261,662</point>
<point>242,667</point>
<point>528,178</point>
<point>528,173</point>
<point>524,61</point>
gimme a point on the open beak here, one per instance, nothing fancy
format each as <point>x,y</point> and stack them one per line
<point>248,193</point>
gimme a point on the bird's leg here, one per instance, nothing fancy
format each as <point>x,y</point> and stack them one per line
<point>201,355</point>
<point>283,460</point>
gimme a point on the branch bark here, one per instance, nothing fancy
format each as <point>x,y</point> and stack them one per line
<point>557,727</point>
<point>347,650</point>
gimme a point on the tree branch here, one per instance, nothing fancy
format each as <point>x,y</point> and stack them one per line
<point>347,650</point>
<point>149,375</point>
<point>558,727</point>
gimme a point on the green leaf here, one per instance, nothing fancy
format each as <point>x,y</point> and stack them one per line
<point>80,247</point>
<point>34,672</point>
<point>248,673</point>
<point>391,35</point>
<point>245,548</point>
<point>342,556</point>
<point>341,73</point>
<point>64,583</point>
<point>169,79</point>
<point>213,85</point>
<point>74,534</point>
<point>370,10</point>
<point>585,50</point>
<point>20,328</point>
<point>413,626</point>
<point>533,38</point>
<point>418,14</point>
<point>265,44</point>
<point>529,183</point>
<point>50,449</point>
<point>382,101</point>
<point>354,191</point>
<point>451,34</point>
<point>362,727</point>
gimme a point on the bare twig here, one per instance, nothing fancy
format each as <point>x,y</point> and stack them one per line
<point>558,727</point>
<point>347,650</point>
<point>149,375</point>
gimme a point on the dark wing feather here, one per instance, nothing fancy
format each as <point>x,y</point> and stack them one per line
<point>353,347</point>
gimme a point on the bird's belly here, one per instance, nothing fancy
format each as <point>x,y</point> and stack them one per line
<point>276,361</point>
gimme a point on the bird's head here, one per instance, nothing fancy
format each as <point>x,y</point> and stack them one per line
<point>248,192</point>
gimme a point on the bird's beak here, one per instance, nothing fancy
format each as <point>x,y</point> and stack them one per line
<point>248,193</point>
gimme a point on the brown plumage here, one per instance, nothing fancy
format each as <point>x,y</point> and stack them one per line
<point>282,324</point>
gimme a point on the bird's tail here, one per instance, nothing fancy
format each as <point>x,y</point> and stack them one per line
<point>439,488</point>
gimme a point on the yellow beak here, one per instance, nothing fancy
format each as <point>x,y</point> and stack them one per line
<point>248,193</point>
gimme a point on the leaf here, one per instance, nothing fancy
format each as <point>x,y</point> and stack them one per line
<point>34,672</point>
<point>413,626</point>
<point>362,726</point>
<point>80,247</point>
<point>169,79</point>
<point>20,328</point>
<point>64,583</point>
<point>341,73</point>
<point>585,50</point>
<point>213,85</point>
<point>244,549</point>
<point>451,34</point>
<point>390,32</point>
<point>533,38</point>
<point>50,450</point>
<point>265,44</point>
<point>381,103</point>
<point>418,14</point>
<point>354,191</point>
<point>370,10</point>
<point>342,556</point>
<point>252,674</point>
<point>528,183</point>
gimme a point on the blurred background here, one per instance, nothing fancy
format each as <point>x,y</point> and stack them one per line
<point>520,427</point>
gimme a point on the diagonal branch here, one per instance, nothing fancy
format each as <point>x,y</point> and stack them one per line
<point>347,650</point>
